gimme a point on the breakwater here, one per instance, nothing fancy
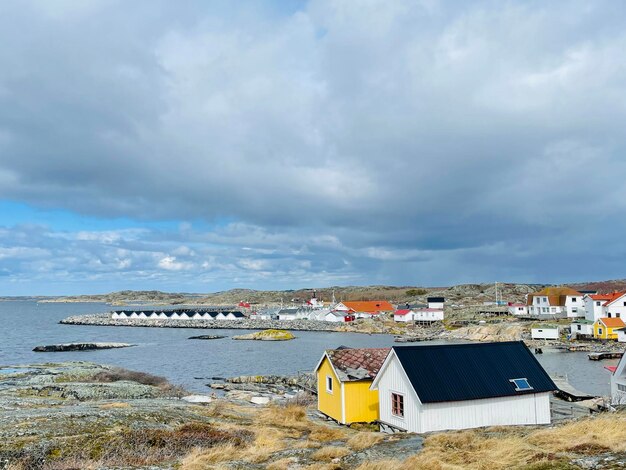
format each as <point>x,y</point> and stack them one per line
<point>104,319</point>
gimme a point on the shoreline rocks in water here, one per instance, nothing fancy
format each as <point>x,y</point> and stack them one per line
<point>80,347</point>
<point>267,335</point>
<point>207,337</point>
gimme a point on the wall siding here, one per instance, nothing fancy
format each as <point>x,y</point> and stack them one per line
<point>361,403</point>
<point>392,380</point>
<point>421,418</point>
<point>328,403</point>
<point>518,410</point>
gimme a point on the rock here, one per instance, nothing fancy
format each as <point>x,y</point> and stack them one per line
<point>217,386</point>
<point>207,337</point>
<point>267,335</point>
<point>80,347</point>
<point>197,399</point>
<point>260,400</point>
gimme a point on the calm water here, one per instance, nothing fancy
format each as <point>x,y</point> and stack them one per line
<point>168,352</point>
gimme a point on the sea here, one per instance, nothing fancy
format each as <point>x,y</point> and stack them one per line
<point>193,364</point>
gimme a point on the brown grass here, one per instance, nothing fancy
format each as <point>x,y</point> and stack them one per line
<point>108,406</point>
<point>132,447</point>
<point>364,440</point>
<point>118,374</point>
<point>290,416</point>
<point>381,465</point>
<point>327,434</point>
<point>516,448</point>
<point>330,453</point>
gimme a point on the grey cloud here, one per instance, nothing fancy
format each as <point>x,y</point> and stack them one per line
<point>392,132</point>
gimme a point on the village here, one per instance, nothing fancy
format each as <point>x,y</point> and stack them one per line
<point>508,385</point>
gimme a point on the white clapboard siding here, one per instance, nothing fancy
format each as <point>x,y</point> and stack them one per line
<point>392,381</point>
<point>421,418</point>
<point>525,409</point>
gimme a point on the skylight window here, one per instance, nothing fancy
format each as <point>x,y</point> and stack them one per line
<point>521,385</point>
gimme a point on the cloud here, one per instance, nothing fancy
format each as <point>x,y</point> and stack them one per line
<point>404,133</point>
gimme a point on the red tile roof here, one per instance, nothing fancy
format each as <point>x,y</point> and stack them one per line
<point>357,364</point>
<point>610,298</point>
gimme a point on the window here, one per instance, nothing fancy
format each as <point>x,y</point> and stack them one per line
<point>621,387</point>
<point>329,384</point>
<point>574,310</point>
<point>617,315</point>
<point>579,327</point>
<point>397,405</point>
<point>599,331</point>
<point>598,304</point>
<point>609,315</point>
<point>573,299</point>
<point>624,304</point>
<point>521,385</point>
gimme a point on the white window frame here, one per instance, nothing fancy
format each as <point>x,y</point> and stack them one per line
<point>329,381</point>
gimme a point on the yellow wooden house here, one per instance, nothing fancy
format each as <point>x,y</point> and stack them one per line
<point>344,377</point>
<point>606,328</point>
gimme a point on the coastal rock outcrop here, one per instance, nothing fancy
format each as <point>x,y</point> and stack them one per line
<point>268,335</point>
<point>207,337</point>
<point>80,347</point>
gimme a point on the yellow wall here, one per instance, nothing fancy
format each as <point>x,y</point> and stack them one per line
<point>607,333</point>
<point>361,402</point>
<point>328,403</point>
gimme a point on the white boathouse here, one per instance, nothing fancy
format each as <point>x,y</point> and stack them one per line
<point>434,388</point>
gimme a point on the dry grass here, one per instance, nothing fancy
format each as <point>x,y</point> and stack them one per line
<point>601,434</point>
<point>516,448</point>
<point>330,453</point>
<point>364,440</point>
<point>290,416</point>
<point>327,434</point>
<point>381,465</point>
<point>118,374</point>
<point>108,406</point>
<point>201,459</point>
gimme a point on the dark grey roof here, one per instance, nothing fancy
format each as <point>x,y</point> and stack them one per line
<point>471,371</point>
<point>435,299</point>
<point>289,311</point>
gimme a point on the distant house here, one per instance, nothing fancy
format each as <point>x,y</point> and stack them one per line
<point>616,306</point>
<point>582,328</point>
<point>556,302</point>
<point>459,386</point>
<point>618,383</point>
<point>517,309</point>
<point>403,315</point>
<point>364,309</point>
<point>334,316</point>
<point>621,335</point>
<point>288,314</point>
<point>547,332</point>
<point>344,377</point>
<point>606,328</point>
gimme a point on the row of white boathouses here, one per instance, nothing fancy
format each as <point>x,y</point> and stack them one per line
<point>179,314</point>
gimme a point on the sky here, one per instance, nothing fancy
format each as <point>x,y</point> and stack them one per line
<point>201,146</point>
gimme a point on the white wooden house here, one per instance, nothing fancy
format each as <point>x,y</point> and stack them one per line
<point>621,335</point>
<point>545,332</point>
<point>582,329</point>
<point>618,383</point>
<point>517,309</point>
<point>433,388</point>
<point>556,302</point>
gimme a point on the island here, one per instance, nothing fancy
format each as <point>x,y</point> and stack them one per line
<point>268,335</point>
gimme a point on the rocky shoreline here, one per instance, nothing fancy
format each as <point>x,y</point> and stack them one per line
<point>80,347</point>
<point>104,319</point>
